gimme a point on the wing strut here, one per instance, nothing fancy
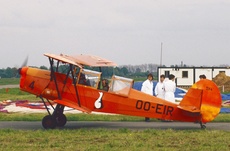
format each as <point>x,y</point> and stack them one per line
<point>75,87</point>
<point>53,77</point>
<point>59,108</point>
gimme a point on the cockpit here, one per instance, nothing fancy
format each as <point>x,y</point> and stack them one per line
<point>118,85</point>
<point>89,78</point>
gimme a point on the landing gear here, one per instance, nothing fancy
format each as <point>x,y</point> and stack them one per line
<point>56,119</point>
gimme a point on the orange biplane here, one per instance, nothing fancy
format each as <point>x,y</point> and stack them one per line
<point>79,88</point>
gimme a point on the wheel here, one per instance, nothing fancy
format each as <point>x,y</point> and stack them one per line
<point>49,122</point>
<point>61,120</point>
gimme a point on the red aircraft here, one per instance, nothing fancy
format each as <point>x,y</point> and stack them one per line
<point>80,89</point>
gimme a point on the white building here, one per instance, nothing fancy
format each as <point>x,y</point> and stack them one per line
<point>187,76</point>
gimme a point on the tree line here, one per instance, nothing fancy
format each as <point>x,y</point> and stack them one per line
<point>124,70</point>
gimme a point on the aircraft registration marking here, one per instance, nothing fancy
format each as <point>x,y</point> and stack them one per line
<point>158,108</point>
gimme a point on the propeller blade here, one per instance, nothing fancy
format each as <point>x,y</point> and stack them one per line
<point>25,62</point>
<point>23,65</point>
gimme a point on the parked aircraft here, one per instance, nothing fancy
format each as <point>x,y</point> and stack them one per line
<point>81,89</point>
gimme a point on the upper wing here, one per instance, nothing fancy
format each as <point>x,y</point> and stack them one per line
<point>93,61</point>
<point>63,59</point>
<point>79,60</point>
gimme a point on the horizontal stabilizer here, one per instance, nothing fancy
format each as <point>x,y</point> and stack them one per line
<point>192,109</point>
<point>73,105</point>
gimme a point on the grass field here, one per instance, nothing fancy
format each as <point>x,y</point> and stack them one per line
<point>7,81</point>
<point>108,139</point>
<point>122,139</point>
<point>16,94</point>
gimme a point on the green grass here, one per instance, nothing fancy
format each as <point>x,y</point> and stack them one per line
<point>6,81</point>
<point>15,94</point>
<point>121,139</point>
<point>223,117</point>
<point>70,117</point>
<point>87,117</point>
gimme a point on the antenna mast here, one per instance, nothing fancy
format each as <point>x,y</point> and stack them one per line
<point>161,55</point>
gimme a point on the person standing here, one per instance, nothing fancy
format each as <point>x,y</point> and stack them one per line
<point>147,87</point>
<point>170,88</point>
<point>202,77</point>
<point>159,89</point>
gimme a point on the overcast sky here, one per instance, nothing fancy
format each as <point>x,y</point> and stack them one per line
<point>196,32</point>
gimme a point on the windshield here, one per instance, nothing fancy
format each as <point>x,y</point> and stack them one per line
<point>89,78</point>
<point>121,85</point>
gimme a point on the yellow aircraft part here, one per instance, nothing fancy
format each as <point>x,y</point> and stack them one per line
<point>209,112</point>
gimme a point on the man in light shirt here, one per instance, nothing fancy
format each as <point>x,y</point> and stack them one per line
<point>170,88</point>
<point>159,89</point>
<point>147,87</point>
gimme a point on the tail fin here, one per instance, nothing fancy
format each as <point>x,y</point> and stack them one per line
<point>204,97</point>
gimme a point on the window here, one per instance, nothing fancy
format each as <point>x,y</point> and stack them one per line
<point>120,85</point>
<point>90,78</point>
<point>184,74</point>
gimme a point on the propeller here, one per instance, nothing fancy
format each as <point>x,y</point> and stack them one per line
<point>23,65</point>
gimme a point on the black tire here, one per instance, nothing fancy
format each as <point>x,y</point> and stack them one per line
<point>49,122</point>
<point>61,120</point>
